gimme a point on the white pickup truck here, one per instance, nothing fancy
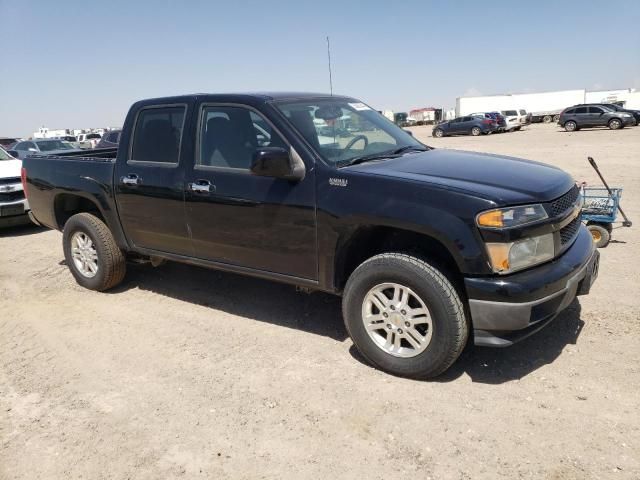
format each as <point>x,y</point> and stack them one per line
<point>14,207</point>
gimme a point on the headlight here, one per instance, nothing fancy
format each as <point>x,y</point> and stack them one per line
<point>511,216</point>
<point>510,257</point>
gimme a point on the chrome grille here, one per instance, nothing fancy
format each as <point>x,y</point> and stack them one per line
<point>565,202</point>
<point>9,181</point>
<point>569,231</point>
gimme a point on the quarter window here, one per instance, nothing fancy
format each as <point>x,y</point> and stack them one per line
<point>230,135</point>
<point>158,134</point>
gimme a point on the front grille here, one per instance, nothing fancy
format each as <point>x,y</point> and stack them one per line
<point>11,196</point>
<point>9,181</point>
<point>569,231</point>
<point>565,202</point>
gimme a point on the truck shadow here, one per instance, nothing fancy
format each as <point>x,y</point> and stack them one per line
<point>248,297</point>
<point>21,230</point>
<point>500,365</point>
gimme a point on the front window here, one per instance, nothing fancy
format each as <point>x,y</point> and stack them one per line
<point>343,130</point>
<point>54,145</point>
<point>4,155</point>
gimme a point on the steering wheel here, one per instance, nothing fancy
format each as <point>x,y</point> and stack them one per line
<point>354,140</point>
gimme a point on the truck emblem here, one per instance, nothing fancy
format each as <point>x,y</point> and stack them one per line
<point>7,188</point>
<point>338,182</point>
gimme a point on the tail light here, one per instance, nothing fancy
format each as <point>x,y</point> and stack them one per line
<point>23,179</point>
<point>487,122</point>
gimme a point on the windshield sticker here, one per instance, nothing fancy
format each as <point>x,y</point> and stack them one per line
<point>359,106</point>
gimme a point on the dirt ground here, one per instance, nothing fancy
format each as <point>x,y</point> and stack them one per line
<point>183,372</point>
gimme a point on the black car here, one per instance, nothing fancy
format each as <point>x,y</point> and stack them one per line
<point>429,248</point>
<point>109,139</point>
<point>618,108</point>
<point>581,116</point>
<point>465,126</point>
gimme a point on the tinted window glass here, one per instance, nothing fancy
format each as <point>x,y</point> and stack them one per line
<point>523,112</point>
<point>595,110</point>
<point>581,110</point>
<point>570,111</point>
<point>157,135</point>
<point>229,136</point>
<point>92,136</point>
<point>509,112</point>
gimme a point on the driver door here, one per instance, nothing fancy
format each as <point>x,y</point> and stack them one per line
<point>241,219</point>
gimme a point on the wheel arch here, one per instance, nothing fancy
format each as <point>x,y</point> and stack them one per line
<point>368,241</point>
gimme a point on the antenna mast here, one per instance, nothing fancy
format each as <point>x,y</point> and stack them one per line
<point>329,58</point>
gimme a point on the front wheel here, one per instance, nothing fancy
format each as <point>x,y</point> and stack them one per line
<point>615,124</point>
<point>438,133</point>
<point>91,253</point>
<point>404,316</point>
<point>475,131</point>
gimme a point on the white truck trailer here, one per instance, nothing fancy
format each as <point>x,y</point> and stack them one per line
<point>543,107</point>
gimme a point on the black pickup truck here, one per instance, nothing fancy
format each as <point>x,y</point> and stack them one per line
<point>427,247</point>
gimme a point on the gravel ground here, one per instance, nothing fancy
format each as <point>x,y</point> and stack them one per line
<point>183,372</point>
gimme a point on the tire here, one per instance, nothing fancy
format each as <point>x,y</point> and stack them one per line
<point>447,329</point>
<point>615,124</point>
<point>570,126</point>
<point>100,252</point>
<point>438,133</point>
<point>547,119</point>
<point>556,118</point>
<point>517,129</point>
<point>600,234</point>
<point>475,131</point>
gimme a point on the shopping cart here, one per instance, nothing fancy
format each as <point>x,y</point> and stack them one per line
<point>600,209</point>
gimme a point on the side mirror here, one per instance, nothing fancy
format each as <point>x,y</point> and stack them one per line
<point>278,162</point>
<point>409,132</point>
<point>13,153</point>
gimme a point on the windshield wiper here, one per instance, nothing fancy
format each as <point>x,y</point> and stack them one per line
<point>409,148</point>
<point>366,158</point>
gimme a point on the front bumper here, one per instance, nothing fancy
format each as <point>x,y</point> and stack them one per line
<point>14,213</point>
<point>509,308</point>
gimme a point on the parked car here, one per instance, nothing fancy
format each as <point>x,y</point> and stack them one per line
<point>423,244</point>
<point>13,204</point>
<point>525,118</point>
<point>618,108</point>
<point>468,125</point>
<point>110,139</point>
<point>583,116</point>
<point>88,140</point>
<point>512,119</point>
<point>500,121</point>
<point>49,146</point>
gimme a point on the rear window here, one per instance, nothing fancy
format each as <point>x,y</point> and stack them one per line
<point>93,136</point>
<point>158,134</point>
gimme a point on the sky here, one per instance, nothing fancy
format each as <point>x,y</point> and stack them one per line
<point>79,64</point>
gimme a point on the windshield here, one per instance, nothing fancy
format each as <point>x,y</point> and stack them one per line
<point>341,130</point>
<point>50,145</point>
<point>4,155</point>
<point>510,112</point>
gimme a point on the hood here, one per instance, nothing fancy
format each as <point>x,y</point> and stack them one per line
<point>503,180</point>
<point>10,168</point>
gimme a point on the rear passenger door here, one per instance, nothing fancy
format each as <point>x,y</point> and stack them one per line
<point>149,179</point>
<point>581,116</point>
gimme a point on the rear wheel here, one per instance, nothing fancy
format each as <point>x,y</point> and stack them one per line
<point>615,124</point>
<point>547,119</point>
<point>570,126</point>
<point>91,253</point>
<point>404,316</point>
<point>475,131</point>
<point>600,234</point>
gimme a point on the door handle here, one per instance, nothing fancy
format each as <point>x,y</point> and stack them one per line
<point>131,179</point>
<point>201,186</point>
